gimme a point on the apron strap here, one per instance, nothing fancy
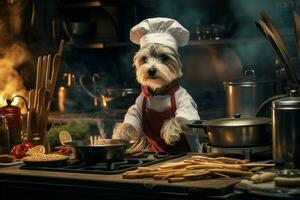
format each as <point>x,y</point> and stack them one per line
<point>173,104</point>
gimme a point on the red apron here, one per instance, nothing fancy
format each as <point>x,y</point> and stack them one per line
<point>153,121</point>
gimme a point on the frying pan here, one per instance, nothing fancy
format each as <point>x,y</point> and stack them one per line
<point>110,149</point>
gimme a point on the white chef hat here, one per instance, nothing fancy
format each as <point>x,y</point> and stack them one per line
<point>160,30</point>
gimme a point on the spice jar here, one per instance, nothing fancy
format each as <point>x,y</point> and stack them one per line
<point>4,136</point>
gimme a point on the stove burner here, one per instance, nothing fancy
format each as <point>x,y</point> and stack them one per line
<point>246,152</point>
<point>114,166</point>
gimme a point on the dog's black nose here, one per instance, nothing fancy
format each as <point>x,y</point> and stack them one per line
<point>151,71</point>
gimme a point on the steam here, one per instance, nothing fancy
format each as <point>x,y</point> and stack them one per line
<point>13,53</point>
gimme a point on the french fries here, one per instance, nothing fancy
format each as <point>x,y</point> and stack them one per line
<point>194,168</point>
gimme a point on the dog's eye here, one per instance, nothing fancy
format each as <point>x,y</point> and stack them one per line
<point>144,59</point>
<point>164,57</point>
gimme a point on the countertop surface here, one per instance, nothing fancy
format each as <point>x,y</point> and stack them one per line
<point>212,186</point>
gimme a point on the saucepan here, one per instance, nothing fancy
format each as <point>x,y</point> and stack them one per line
<point>236,132</point>
<point>108,150</point>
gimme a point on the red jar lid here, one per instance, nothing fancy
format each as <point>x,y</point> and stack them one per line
<point>9,108</point>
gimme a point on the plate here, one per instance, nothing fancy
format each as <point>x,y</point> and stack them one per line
<point>10,164</point>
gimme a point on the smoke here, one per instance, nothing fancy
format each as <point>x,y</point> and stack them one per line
<point>13,53</point>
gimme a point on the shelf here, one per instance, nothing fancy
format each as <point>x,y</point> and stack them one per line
<point>224,41</point>
<point>97,45</point>
<point>231,41</point>
<point>91,4</point>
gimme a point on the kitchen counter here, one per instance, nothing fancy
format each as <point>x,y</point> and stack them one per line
<point>15,182</point>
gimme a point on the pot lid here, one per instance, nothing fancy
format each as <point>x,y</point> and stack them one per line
<point>287,102</point>
<point>250,79</point>
<point>9,108</point>
<point>251,121</point>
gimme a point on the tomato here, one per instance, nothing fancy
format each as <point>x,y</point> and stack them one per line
<point>26,146</point>
<point>19,151</point>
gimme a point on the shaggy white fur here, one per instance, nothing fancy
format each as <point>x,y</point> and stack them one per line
<point>167,64</point>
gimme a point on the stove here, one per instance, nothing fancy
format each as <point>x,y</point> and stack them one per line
<point>250,153</point>
<point>111,167</point>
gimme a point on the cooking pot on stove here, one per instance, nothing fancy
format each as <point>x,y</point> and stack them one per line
<point>110,149</point>
<point>245,95</point>
<point>236,132</point>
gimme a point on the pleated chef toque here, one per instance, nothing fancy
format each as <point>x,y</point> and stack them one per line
<point>160,30</point>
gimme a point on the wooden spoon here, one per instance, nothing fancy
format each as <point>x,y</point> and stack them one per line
<point>279,50</point>
<point>47,74</point>
<point>37,79</point>
<point>265,18</point>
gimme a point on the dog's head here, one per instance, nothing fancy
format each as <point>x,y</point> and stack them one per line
<point>157,65</point>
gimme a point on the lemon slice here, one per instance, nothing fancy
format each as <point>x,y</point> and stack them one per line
<point>64,137</point>
<point>39,149</point>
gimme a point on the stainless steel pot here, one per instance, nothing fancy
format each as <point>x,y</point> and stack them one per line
<point>110,149</point>
<point>286,131</point>
<point>246,95</point>
<point>236,132</point>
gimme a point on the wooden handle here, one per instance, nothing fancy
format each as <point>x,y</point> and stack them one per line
<point>47,75</point>
<point>37,79</point>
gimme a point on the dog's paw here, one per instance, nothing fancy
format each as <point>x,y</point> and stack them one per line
<point>171,130</point>
<point>125,131</point>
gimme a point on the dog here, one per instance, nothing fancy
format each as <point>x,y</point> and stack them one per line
<point>157,67</point>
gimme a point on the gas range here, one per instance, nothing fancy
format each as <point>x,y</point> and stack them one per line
<point>111,167</point>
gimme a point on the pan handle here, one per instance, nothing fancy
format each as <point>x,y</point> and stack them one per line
<point>197,124</point>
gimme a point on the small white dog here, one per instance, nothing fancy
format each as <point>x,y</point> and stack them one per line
<point>163,108</point>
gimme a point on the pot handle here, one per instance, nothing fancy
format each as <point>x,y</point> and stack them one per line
<point>85,89</point>
<point>197,124</point>
<point>262,108</point>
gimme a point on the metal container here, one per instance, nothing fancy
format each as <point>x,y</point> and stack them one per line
<point>236,132</point>
<point>111,149</point>
<point>246,95</point>
<point>286,131</point>
<point>14,122</point>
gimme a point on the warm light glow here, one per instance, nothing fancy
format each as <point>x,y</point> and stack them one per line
<point>15,101</point>
<point>104,101</point>
<point>2,101</point>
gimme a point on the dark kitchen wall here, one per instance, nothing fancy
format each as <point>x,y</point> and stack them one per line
<point>207,62</point>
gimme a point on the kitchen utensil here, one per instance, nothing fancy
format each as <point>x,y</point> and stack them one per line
<point>297,32</point>
<point>47,74</point>
<point>244,96</point>
<point>236,132</point>
<point>37,79</point>
<point>279,49</point>
<point>123,96</point>
<point>40,98</point>
<point>110,149</point>
<point>265,18</point>
<point>286,131</point>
